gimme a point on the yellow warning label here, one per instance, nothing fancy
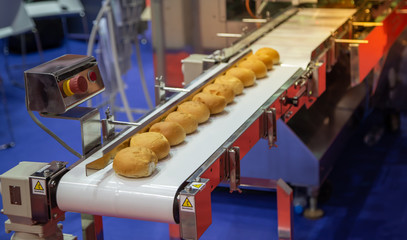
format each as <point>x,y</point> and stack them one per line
<point>38,186</point>
<point>198,185</point>
<point>187,203</point>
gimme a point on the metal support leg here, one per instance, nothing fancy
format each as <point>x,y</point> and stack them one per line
<point>284,210</point>
<point>92,227</point>
<point>313,212</point>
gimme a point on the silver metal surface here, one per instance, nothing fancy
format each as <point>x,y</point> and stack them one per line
<point>189,201</point>
<point>233,167</point>
<point>354,64</point>
<point>43,83</point>
<point>270,127</point>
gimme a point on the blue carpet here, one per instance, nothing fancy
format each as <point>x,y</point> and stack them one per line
<point>368,183</point>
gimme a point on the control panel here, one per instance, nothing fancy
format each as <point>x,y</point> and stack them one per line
<point>61,84</point>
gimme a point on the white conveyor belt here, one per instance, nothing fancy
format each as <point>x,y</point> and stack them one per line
<point>105,193</point>
<point>300,35</point>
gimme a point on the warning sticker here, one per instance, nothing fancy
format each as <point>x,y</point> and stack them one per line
<point>38,186</point>
<point>197,185</point>
<point>187,204</point>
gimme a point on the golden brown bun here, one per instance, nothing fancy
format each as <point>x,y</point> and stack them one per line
<point>257,66</point>
<point>152,140</point>
<point>216,104</point>
<point>172,131</point>
<point>135,162</point>
<point>270,51</point>
<point>265,58</point>
<point>198,110</point>
<point>245,75</point>
<point>189,123</point>
<point>220,90</point>
<point>103,161</point>
<point>231,81</point>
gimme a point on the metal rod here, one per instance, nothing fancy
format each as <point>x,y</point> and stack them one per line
<point>171,89</point>
<point>367,24</point>
<point>229,35</point>
<point>124,123</point>
<point>254,20</point>
<point>401,11</point>
<point>350,41</point>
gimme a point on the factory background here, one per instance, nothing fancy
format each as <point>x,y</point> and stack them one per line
<point>362,197</point>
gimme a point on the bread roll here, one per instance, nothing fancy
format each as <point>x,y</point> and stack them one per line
<point>245,75</point>
<point>172,131</point>
<point>270,51</point>
<point>220,90</point>
<point>265,58</point>
<point>216,104</point>
<point>257,66</point>
<point>152,140</point>
<point>135,162</point>
<point>103,161</point>
<point>231,81</point>
<point>189,123</point>
<point>198,110</point>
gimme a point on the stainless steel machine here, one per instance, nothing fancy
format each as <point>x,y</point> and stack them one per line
<point>309,41</point>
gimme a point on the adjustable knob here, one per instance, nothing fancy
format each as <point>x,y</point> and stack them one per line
<point>78,85</point>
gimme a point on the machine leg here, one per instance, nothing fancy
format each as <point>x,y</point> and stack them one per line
<point>92,227</point>
<point>175,233</point>
<point>284,210</point>
<point>313,212</point>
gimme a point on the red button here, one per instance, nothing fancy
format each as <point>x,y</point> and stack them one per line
<point>78,84</point>
<point>92,76</point>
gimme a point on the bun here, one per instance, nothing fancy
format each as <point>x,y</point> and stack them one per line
<point>265,58</point>
<point>155,141</point>
<point>103,161</point>
<point>232,82</point>
<point>135,162</point>
<point>198,110</point>
<point>220,90</point>
<point>245,75</point>
<point>186,120</point>
<point>172,131</point>
<point>216,104</point>
<point>257,66</point>
<point>270,51</point>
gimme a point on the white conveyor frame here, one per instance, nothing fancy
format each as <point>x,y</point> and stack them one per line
<point>153,198</point>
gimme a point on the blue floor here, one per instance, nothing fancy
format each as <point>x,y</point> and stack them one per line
<point>368,183</point>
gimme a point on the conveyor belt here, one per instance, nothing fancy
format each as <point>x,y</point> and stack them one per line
<point>300,35</point>
<point>105,193</point>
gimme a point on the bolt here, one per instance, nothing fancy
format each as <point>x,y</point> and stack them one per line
<point>197,179</point>
<point>188,188</point>
<point>47,172</point>
<point>310,92</point>
<point>53,183</point>
<point>55,215</point>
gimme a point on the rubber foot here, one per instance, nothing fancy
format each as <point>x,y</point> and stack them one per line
<point>313,214</point>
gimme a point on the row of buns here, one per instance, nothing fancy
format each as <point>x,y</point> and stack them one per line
<point>145,149</point>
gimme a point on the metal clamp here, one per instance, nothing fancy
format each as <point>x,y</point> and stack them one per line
<point>270,127</point>
<point>161,89</point>
<point>233,168</point>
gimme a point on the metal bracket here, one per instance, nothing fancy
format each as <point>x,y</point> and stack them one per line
<point>161,89</point>
<point>195,209</point>
<point>233,168</point>
<point>270,127</point>
<point>107,128</point>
